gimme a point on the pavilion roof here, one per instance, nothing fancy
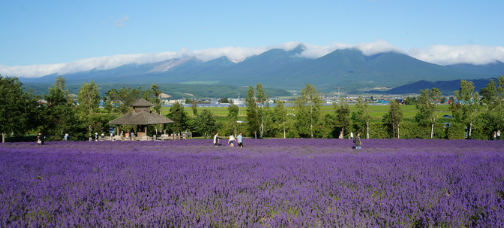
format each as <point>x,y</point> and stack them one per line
<point>141,116</point>
<point>142,103</point>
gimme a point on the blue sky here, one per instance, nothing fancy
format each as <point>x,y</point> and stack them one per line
<point>37,35</point>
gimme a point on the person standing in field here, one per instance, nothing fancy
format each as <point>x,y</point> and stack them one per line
<point>240,140</point>
<point>495,135</point>
<point>40,138</point>
<point>216,139</point>
<point>498,134</point>
<point>357,141</point>
<point>231,140</point>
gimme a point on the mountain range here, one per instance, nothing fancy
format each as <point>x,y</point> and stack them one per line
<point>348,69</point>
<point>446,87</point>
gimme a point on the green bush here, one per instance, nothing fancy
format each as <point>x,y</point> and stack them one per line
<point>456,131</point>
<point>414,131</point>
<point>377,131</point>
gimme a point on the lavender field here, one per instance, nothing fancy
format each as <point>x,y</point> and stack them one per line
<point>269,183</point>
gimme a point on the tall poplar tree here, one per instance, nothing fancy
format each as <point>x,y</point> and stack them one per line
<point>342,113</point>
<point>308,110</point>
<point>155,99</point>
<point>393,118</point>
<point>361,116</point>
<point>261,98</point>
<point>232,117</point>
<point>194,107</point>
<point>88,98</point>
<point>427,108</point>
<point>280,115</point>
<point>253,122</point>
<point>470,105</point>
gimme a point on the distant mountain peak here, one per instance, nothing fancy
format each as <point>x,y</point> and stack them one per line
<point>168,64</point>
<point>297,50</point>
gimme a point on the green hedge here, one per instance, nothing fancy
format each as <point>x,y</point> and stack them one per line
<point>410,130</point>
<point>456,131</point>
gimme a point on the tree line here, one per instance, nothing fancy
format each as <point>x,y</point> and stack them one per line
<point>476,115</point>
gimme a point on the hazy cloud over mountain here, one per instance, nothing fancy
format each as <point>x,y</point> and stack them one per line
<point>438,54</point>
<point>448,55</point>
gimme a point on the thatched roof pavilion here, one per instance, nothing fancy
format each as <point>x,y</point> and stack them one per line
<point>141,116</point>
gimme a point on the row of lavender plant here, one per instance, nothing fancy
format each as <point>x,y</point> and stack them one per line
<point>269,183</point>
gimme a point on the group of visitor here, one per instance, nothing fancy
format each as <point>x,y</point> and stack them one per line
<point>231,140</point>
<point>496,135</point>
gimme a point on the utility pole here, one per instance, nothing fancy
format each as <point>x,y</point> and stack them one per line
<point>339,92</point>
<point>239,103</point>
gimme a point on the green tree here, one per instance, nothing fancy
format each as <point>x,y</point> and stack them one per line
<point>224,100</point>
<point>261,98</point>
<point>361,117</point>
<point>60,115</point>
<point>427,108</point>
<point>410,100</point>
<point>126,97</point>
<point>205,123</point>
<point>194,107</point>
<point>489,94</point>
<point>470,105</point>
<point>342,114</point>
<point>280,115</point>
<point>393,119</point>
<point>179,117</point>
<point>155,99</point>
<point>308,110</point>
<point>112,100</point>
<point>233,117</point>
<point>88,98</point>
<point>253,122</point>
<point>18,109</point>
<point>493,99</point>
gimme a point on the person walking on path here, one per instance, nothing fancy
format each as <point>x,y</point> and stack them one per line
<point>216,139</point>
<point>498,134</point>
<point>231,140</point>
<point>240,140</point>
<point>495,135</point>
<point>357,141</point>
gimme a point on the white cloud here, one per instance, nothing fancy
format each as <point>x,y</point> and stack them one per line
<point>97,63</point>
<point>379,46</point>
<point>447,55</point>
<point>438,54</point>
<point>314,51</point>
<point>236,54</point>
<point>30,71</point>
<point>121,21</point>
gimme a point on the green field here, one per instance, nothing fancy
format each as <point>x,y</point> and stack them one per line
<point>376,111</point>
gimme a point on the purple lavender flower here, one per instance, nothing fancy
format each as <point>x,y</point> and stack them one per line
<point>271,182</point>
